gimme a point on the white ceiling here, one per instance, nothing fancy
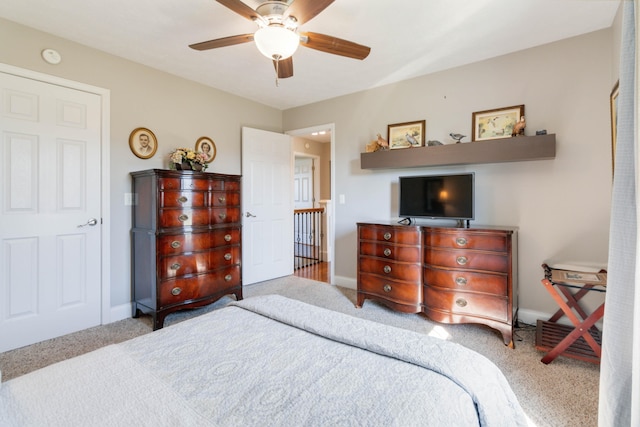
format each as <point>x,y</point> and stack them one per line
<point>408,38</point>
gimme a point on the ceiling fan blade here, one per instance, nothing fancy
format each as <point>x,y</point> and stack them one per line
<point>334,45</point>
<point>240,8</point>
<point>284,67</point>
<point>225,41</point>
<point>305,10</point>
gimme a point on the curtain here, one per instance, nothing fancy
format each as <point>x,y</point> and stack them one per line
<point>619,367</point>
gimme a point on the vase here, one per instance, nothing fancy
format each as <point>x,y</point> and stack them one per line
<point>197,167</point>
<point>184,166</point>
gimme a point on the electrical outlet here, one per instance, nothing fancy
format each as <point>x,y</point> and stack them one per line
<point>341,199</point>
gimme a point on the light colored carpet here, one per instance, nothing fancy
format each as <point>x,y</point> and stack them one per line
<point>563,393</point>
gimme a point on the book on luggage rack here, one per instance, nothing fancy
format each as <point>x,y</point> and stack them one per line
<point>579,278</point>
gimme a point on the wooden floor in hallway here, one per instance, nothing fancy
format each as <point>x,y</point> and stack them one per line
<point>319,272</point>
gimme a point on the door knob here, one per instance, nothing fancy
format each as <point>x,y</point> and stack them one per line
<point>249,215</point>
<point>91,222</point>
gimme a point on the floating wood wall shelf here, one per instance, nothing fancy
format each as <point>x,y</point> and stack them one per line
<point>516,149</point>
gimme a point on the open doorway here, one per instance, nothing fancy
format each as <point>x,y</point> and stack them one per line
<point>313,159</point>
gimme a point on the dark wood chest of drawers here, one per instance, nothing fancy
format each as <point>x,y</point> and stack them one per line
<point>466,275</point>
<point>389,266</point>
<point>186,237</point>
<point>469,277</point>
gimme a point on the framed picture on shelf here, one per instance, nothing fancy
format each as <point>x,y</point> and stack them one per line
<point>495,124</point>
<point>406,135</point>
<point>143,143</point>
<point>207,147</point>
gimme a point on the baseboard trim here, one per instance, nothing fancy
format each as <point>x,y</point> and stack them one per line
<point>345,282</point>
<point>121,312</point>
<point>530,317</point>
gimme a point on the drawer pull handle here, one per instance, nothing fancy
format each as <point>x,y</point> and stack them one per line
<point>461,302</point>
<point>228,278</point>
<point>386,288</point>
<point>227,257</point>
<point>182,199</point>
<point>222,199</point>
<point>387,252</point>
<point>227,237</point>
<point>183,218</point>
<point>176,291</point>
<point>175,244</point>
<point>387,236</point>
<point>222,216</point>
<point>175,266</point>
<point>461,241</point>
<point>387,269</point>
<point>461,281</point>
<point>462,260</point>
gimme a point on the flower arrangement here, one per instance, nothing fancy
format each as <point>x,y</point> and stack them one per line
<point>186,158</point>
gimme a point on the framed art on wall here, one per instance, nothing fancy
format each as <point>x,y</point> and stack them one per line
<point>614,122</point>
<point>143,143</point>
<point>495,124</point>
<point>406,135</point>
<point>207,147</point>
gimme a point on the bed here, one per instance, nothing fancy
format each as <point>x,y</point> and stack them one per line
<point>267,360</point>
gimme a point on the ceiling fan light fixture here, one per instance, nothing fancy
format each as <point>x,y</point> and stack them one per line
<point>276,42</point>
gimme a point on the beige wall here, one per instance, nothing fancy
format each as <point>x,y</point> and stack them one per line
<point>561,206</point>
<point>176,110</point>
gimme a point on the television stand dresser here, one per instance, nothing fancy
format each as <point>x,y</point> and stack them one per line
<point>185,241</point>
<point>451,275</point>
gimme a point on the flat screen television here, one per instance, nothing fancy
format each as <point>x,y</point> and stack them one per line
<point>437,196</point>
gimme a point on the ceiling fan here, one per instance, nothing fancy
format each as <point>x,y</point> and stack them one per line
<point>277,36</point>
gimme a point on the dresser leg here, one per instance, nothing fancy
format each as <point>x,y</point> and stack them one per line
<point>359,300</point>
<point>507,337</point>
<point>135,312</point>
<point>158,321</point>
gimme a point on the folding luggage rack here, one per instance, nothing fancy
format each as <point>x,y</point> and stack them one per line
<point>583,340</point>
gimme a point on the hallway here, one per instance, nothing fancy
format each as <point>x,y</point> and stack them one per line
<point>319,272</point>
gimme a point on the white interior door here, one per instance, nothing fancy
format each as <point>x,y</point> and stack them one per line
<point>303,196</point>
<point>50,280</point>
<point>267,222</point>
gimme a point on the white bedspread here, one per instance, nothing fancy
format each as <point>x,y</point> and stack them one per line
<point>267,361</point>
